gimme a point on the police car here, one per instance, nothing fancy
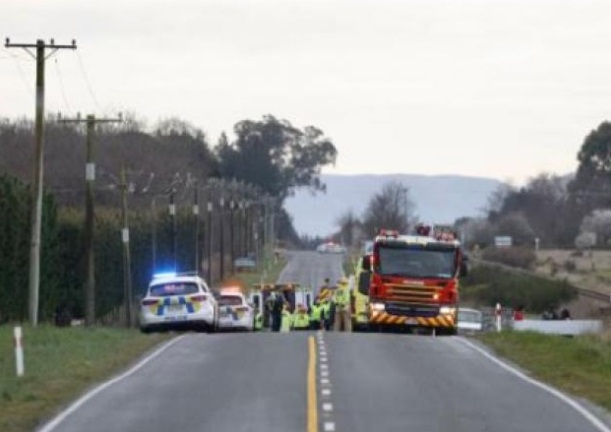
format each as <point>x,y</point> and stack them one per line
<point>178,301</point>
<point>234,311</point>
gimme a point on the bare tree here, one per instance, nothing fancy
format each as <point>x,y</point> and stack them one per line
<point>599,223</point>
<point>349,228</point>
<point>391,208</point>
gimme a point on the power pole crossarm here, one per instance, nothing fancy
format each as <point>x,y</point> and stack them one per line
<point>37,183</point>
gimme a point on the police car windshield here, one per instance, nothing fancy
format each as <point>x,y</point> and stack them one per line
<point>417,262</point>
<point>175,288</point>
<point>230,300</point>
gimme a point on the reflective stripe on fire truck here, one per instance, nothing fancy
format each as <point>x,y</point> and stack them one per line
<point>438,321</point>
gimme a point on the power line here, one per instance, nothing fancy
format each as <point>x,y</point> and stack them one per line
<point>86,78</point>
<point>61,86</point>
<point>21,72</point>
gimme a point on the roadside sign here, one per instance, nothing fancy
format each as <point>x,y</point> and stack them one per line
<point>502,241</point>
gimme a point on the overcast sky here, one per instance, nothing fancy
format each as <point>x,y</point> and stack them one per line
<point>503,89</point>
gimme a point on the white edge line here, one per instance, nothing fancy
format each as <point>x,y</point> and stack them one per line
<point>90,394</point>
<point>598,424</point>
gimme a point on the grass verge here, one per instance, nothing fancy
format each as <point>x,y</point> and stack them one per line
<point>580,366</point>
<point>60,363</point>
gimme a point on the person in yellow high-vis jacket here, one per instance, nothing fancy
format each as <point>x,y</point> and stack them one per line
<point>258,320</point>
<point>316,315</point>
<point>286,322</point>
<point>343,321</point>
<point>301,319</point>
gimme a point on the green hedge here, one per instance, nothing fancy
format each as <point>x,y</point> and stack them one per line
<point>62,261</point>
<point>15,199</point>
<point>487,285</point>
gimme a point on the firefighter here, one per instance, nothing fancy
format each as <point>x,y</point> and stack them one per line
<point>343,321</point>
<point>324,290</point>
<point>316,315</point>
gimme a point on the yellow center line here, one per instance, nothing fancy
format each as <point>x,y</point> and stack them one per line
<point>312,403</point>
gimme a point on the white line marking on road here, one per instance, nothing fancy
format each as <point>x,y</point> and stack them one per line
<point>324,381</point>
<point>324,374</point>
<point>585,413</point>
<point>329,427</point>
<point>326,392</point>
<point>324,366</point>
<point>327,407</point>
<point>79,402</point>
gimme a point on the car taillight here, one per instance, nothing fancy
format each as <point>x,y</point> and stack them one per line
<point>149,302</point>
<point>198,298</point>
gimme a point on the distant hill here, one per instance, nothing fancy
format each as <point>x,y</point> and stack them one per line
<point>438,198</point>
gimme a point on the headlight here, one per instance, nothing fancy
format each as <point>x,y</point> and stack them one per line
<point>377,306</point>
<point>447,310</point>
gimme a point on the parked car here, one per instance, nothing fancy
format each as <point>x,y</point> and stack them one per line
<point>234,311</point>
<point>178,301</point>
<point>330,247</point>
<point>469,320</point>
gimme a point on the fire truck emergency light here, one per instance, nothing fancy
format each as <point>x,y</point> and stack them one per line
<point>388,233</point>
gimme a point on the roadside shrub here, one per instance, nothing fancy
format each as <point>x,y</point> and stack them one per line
<point>487,285</point>
<point>570,266</point>
<point>520,257</point>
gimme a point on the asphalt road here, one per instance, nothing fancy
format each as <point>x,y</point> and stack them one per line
<point>311,268</point>
<point>311,382</point>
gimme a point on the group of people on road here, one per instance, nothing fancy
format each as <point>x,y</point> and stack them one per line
<point>326,313</point>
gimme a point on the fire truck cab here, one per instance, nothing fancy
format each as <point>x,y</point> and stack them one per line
<point>413,280</point>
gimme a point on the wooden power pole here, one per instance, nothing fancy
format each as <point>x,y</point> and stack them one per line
<point>89,287</point>
<point>36,210</point>
<point>127,270</point>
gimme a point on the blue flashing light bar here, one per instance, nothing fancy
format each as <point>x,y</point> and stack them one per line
<point>164,275</point>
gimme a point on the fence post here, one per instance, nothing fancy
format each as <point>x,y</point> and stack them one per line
<point>18,351</point>
<point>499,317</point>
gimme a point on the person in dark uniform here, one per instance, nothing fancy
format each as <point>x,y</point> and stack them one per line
<point>277,306</point>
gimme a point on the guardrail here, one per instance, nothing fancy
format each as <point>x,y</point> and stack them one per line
<point>559,327</point>
<point>584,292</point>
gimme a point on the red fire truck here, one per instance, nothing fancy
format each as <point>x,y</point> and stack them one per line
<point>414,280</point>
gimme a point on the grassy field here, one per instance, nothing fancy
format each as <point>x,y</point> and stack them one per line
<point>60,363</point>
<point>589,270</point>
<point>580,366</point>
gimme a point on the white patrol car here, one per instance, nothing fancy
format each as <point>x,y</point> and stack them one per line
<point>178,300</point>
<point>234,311</point>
